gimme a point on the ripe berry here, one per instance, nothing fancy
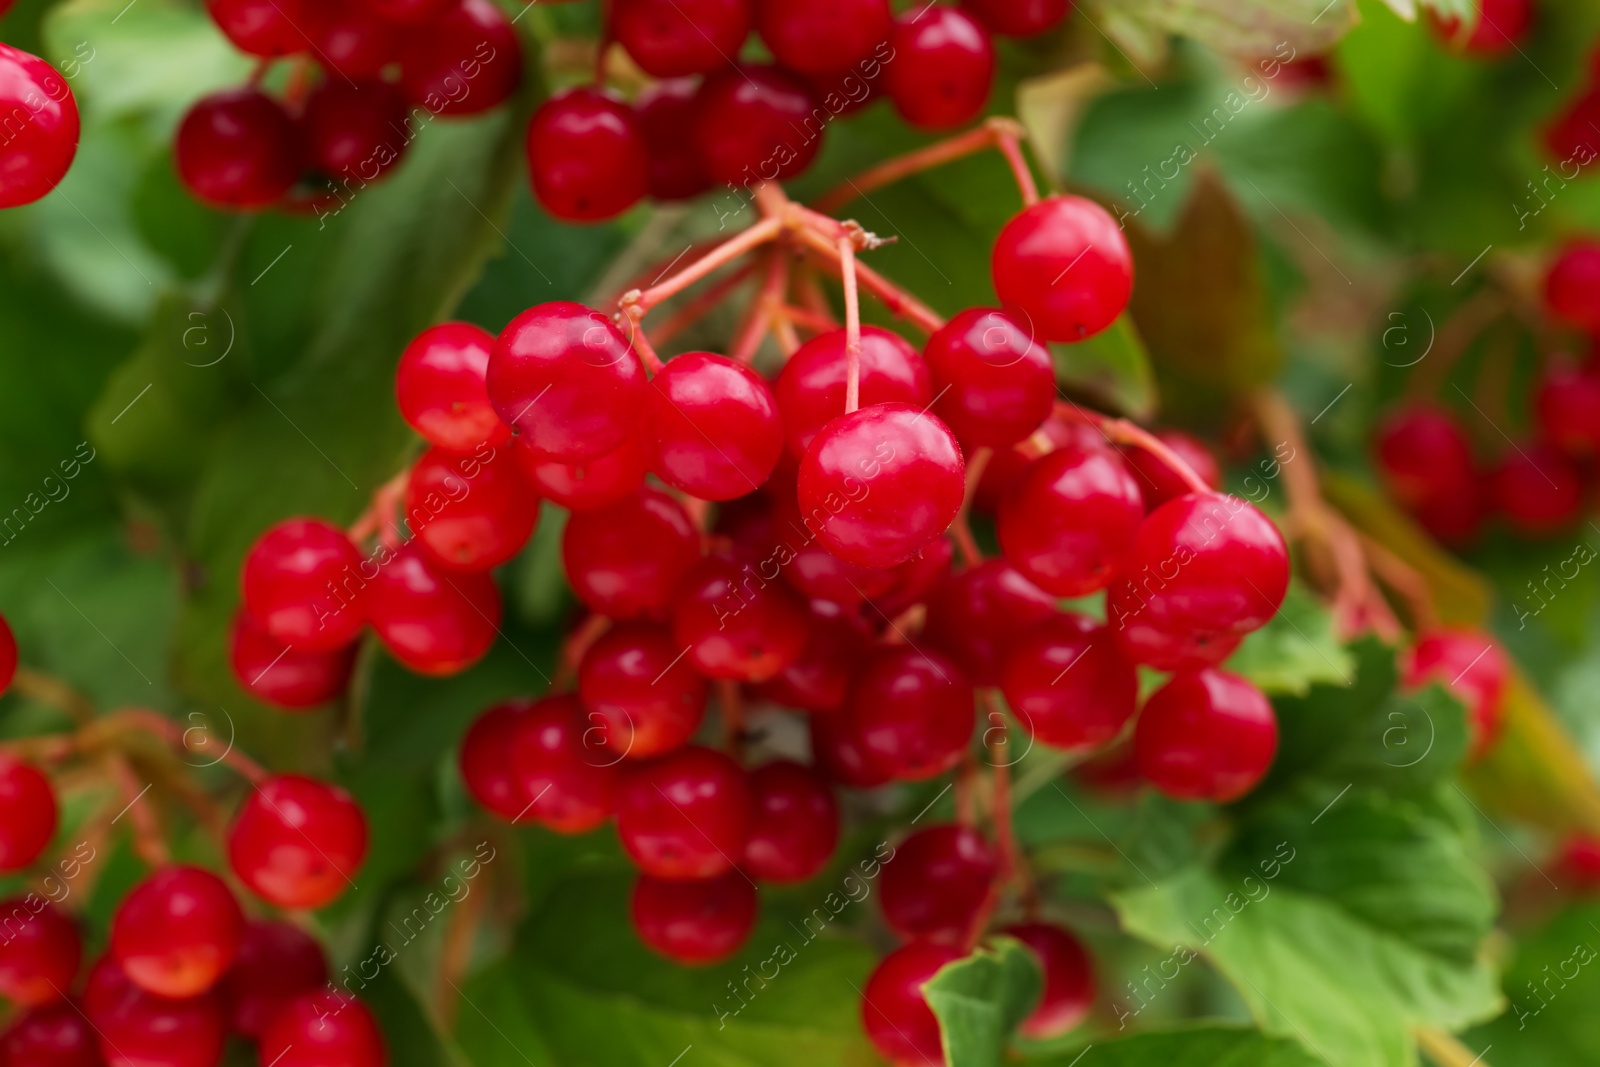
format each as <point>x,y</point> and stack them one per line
<point>820,679</point>
<point>567,770</point>
<point>282,676</point>
<point>485,760</point>
<point>840,754</point>
<point>711,427</point>
<point>994,385</point>
<point>1578,863</point>
<point>1206,735</point>
<point>1421,453</point>
<point>754,124</point>
<point>41,131</point>
<point>1159,483</point>
<point>27,813</point>
<point>670,38</point>
<point>810,389</point>
<point>407,12</point>
<point>294,582</point>
<point>1018,18</point>
<point>1143,642</point>
<point>1006,465</point>
<point>1499,26</point>
<point>1474,668</point>
<point>1063,268</point>
<point>937,883</point>
<point>586,155</point>
<point>595,483</point>
<point>914,579</point>
<point>351,42</point>
<point>262,27</point>
<point>685,815</point>
<point>880,483</point>
<point>1537,489</point>
<point>1068,979</point>
<point>735,622</point>
<point>276,961</point>
<point>140,1029</point>
<point>1069,520</point>
<point>943,67</point>
<point>354,132</point>
<point>894,1011</point>
<point>1571,135</point>
<point>323,1028</point>
<point>8,654</point>
<point>824,36</point>
<point>817,574</point>
<point>639,689</point>
<point>298,842</point>
<point>176,932</point>
<point>696,922</point>
<point>440,386</point>
<point>238,149</point>
<point>39,953</point>
<point>567,381</point>
<point>912,711</point>
<point>1068,685</point>
<point>625,561</point>
<point>795,823</point>
<point>53,1036</point>
<point>1572,284</point>
<point>664,110</point>
<point>462,61</point>
<point>432,620</point>
<point>469,512</point>
<point>1568,405</point>
<point>977,616</point>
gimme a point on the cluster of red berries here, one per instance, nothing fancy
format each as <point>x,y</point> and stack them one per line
<point>41,127</point>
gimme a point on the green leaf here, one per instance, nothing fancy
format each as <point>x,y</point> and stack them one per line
<point>1247,28</point>
<point>1112,367</point>
<point>1196,1046</point>
<point>1295,650</point>
<point>1551,985</point>
<point>980,1000</point>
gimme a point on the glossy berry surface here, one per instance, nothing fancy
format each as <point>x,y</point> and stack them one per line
<point>462,61</point>
<point>1499,26</point>
<point>594,483</point>
<point>1068,973</point>
<point>937,883</point>
<point>912,711</point>
<point>750,126</point>
<point>294,583</point>
<point>1206,735</point>
<point>568,772</point>
<point>735,623</point>
<point>640,691</point>
<point>794,825</point>
<point>323,1028</point>
<point>282,676</point>
<point>1422,452</point>
<point>586,155</point>
<point>410,14</point>
<point>671,38</point>
<point>1475,670</point>
<point>810,389</point>
<point>54,1036</point>
<point>820,679</point>
<point>977,615</point>
<point>432,620</point>
<point>1159,483</point>
<point>40,952</point>
<point>942,69</point>
<point>895,1012</point>
<point>684,815</point>
<point>28,812</point>
<point>840,754</point>
<point>808,567</point>
<point>824,35</point>
<point>567,381</point>
<point>470,512</point>
<point>439,385</point>
<point>1568,406</point>
<point>485,760</point>
<point>626,561</point>
<point>1537,489</point>
<point>711,427</point>
<point>1018,18</point>
<point>262,27</point>
<point>354,132</point>
<point>994,385</point>
<point>1063,268</point>
<point>1144,642</point>
<point>664,110</point>
<point>297,842</point>
<point>1068,684</point>
<point>694,922</point>
<point>41,133</point>
<point>140,1029</point>
<point>276,961</point>
<point>1070,519</point>
<point>351,42</point>
<point>1572,285</point>
<point>176,932</point>
<point>238,149</point>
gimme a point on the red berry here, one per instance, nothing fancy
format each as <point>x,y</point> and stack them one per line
<point>1018,18</point>
<point>462,61</point>
<point>820,679</point>
<point>1206,735</point>
<point>912,711</point>
<point>937,883</point>
<point>1568,404</point>
<point>793,551</point>
<point>669,38</point>
<point>810,389</point>
<point>470,512</point>
<point>795,823</point>
<point>977,616</point>
<point>1063,268</point>
<point>1422,453</point>
<point>323,1028</point>
<point>41,130</point>
<point>1474,668</point>
<point>754,124</point>
<point>440,386</point>
<point>238,149</point>
<point>943,67</point>
<point>297,842</point>
<point>405,12</point>
<point>840,754</point>
<point>586,155</point>
<point>299,582</point>
<point>27,813</point>
<point>1579,862</point>
<point>276,961</point>
<point>485,760</point>
<point>1159,483</point>
<point>1006,465</point>
<point>352,43</point>
<point>8,654</point>
<point>1142,641</point>
<point>1069,520</point>
<point>595,483</point>
<point>994,385</point>
<point>711,427</point>
<point>639,689</point>
<point>894,1011</point>
<point>282,676</point>
<point>696,922</point>
<point>432,620</point>
<point>176,932</point>
<point>1499,26</point>
<point>735,622</point>
<point>1068,979</point>
<point>567,381</point>
<point>53,1036</point>
<point>625,561</point>
<point>354,131</point>
<point>140,1029</point>
<point>1572,136</point>
<point>262,27</point>
<point>822,36</point>
<point>1068,685</point>
<point>567,770</point>
<point>1572,286</point>
<point>914,579</point>
<point>1454,519</point>
<point>664,110</point>
<point>1537,489</point>
<point>39,952</point>
<point>685,815</point>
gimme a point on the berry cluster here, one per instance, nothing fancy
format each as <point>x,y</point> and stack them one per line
<point>41,127</point>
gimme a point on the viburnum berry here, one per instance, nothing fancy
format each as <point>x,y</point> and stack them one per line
<point>1578,863</point>
<point>694,922</point>
<point>943,67</point>
<point>670,38</point>
<point>1568,406</point>
<point>840,754</point>
<point>664,110</point>
<point>238,149</point>
<point>463,60</point>
<point>626,561</point>
<point>297,842</point>
<point>586,155</point>
<point>912,711</point>
<point>1068,684</point>
<point>894,1010</point>
<point>41,132</point>
<point>470,512</point>
<point>1159,483</point>
<point>1499,26</point>
<point>39,953</point>
<point>711,426</point>
<point>794,825</point>
<point>285,677</point>
<point>977,615</point>
<point>176,932</point>
<point>1068,973</point>
<point>994,385</point>
<point>1006,465</point>
<point>825,36</point>
<point>937,883</point>
<point>1018,18</point>
<point>354,130</point>
<point>432,620</point>
<point>56,1035</point>
<point>1572,285</point>
<point>301,581</point>
<point>1475,670</point>
<point>262,27</point>
<point>750,125</point>
<point>801,560</point>
<point>8,657</point>
<point>1206,735</point>
<point>28,812</point>
<point>595,483</point>
<point>1421,452</point>
<point>640,691</point>
<point>1571,135</point>
<point>276,961</point>
<point>914,579</point>
<point>684,815</point>
<point>1070,519</point>
<point>567,770</point>
<point>323,1028</point>
<point>440,388</point>
<point>409,13</point>
<point>1144,642</point>
<point>810,389</point>
<point>567,381</point>
<point>1063,268</point>
<point>485,760</point>
<point>735,623</point>
<point>1537,488</point>
<point>820,679</point>
<point>136,1028</point>
<point>352,43</point>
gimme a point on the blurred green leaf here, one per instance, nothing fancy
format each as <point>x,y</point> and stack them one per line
<point>980,1001</point>
<point>1296,649</point>
<point>1195,1046</point>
